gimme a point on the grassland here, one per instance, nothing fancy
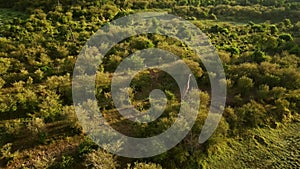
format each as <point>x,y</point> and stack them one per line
<point>262,148</point>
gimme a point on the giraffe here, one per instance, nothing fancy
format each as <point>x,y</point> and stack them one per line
<point>187,87</point>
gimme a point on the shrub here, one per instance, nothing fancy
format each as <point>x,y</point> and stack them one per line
<point>141,165</point>
<point>6,153</point>
<point>66,163</point>
<point>286,37</point>
<point>99,159</point>
<point>37,129</point>
<point>252,115</point>
<point>50,107</point>
<point>87,147</point>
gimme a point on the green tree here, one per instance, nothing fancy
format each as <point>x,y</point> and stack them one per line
<point>245,85</point>
<point>282,112</point>
<point>252,114</point>
<point>258,56</point>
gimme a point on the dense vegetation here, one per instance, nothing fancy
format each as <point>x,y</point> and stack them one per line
<point>257,40</point>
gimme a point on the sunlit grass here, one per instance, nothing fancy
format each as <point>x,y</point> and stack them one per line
<point>262,148</point>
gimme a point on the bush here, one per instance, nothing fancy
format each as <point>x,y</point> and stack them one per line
<point>99,159</point>
<point>252,115</point>
<point>50,107</point>
<point>66,163</point>
<point>140,5</point>
<point>87,146</point>
<point>258,56</point>
<point>137,165</point>
<point>286,37</point>
<point>6,154</point>
<point>37,129</point>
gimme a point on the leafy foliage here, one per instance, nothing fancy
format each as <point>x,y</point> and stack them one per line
<point>39,47</point>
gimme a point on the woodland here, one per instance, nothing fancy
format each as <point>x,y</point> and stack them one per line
<point>258,42</point>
